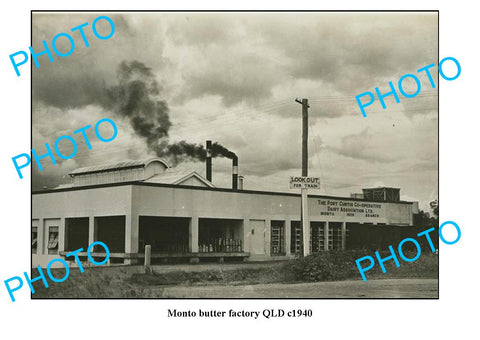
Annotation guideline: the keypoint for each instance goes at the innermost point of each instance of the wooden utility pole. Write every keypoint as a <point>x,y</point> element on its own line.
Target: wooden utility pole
<point>305,137</point>
<point>304,204</point>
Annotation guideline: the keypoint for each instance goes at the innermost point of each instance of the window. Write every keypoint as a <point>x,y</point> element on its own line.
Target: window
<point>295,237</point>
<point>317,237</point>
<point>337,237</point>
<point>52,240</point>
<point>34,239</point>
<point>329,239</point>
<point>277,238</point>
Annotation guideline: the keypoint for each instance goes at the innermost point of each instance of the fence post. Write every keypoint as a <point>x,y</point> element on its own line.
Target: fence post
<point>148,252</point>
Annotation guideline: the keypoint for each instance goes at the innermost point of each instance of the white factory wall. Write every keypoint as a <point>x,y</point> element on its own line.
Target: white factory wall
<point>56,206</point>
<point>256,210</point>
<point>186,202</point>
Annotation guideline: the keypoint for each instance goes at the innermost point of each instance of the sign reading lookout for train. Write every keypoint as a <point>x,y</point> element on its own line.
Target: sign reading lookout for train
<point>304,182</point>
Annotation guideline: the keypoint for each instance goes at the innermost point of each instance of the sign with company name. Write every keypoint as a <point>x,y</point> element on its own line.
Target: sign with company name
<point>356,209</point>
<point>304,182</point>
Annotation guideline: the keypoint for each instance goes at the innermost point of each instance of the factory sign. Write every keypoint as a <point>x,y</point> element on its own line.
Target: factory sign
<point>353,210</point>
<point>304,182</point>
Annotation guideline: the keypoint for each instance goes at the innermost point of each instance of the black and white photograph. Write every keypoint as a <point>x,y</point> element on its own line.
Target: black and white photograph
<point>235,154</point>
<point>215,170</point>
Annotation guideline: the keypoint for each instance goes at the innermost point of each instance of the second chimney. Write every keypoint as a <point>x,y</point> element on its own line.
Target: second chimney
<point>208,160</point>
<point>235,172</point>
<point>240,182</point>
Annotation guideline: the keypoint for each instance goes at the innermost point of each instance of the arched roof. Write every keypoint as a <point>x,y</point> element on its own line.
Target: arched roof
<point>118,166</point>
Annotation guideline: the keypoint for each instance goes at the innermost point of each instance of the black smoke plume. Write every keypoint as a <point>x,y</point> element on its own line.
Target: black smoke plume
<point>186,151</point>
<point>135,97</point>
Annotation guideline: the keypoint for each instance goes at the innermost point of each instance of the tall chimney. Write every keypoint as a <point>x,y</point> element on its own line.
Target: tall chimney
<point>209,160</point>
<point>235,172</point>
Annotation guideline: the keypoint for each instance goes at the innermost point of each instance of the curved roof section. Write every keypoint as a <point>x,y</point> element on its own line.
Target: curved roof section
<point>119,166</point>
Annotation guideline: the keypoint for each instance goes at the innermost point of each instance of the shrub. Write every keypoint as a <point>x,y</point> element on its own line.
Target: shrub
<point>340,265</point>
<point>325,266</point>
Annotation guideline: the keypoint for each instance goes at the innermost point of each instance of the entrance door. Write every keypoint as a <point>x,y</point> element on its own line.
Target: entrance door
<point>257,237</point>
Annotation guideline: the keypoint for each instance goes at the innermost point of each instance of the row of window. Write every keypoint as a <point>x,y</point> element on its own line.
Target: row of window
<point>317,237</point>
<point>52,244</point>
<point>277,235</point>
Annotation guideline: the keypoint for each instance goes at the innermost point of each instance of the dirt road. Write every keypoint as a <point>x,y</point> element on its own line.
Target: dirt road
<point>388,288</point>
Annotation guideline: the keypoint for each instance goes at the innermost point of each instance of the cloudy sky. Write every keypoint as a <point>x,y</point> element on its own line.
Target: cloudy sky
<point>233,78</point>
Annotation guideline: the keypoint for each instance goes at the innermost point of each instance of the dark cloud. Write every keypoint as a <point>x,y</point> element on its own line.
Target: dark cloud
<point>79,79</point>
<point>243,57</point>
<point>72,91</point>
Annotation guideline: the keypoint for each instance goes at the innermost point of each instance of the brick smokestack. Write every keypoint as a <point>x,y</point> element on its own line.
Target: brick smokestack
<point>235,172</point>
<point>208,160</point>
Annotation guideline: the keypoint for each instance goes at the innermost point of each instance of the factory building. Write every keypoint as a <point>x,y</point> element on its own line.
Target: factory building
<point>184,217</point>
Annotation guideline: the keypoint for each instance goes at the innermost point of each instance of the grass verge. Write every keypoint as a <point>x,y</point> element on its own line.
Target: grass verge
<point>127,282</point>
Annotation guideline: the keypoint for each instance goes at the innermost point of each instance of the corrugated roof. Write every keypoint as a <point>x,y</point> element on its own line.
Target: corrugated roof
<point>117,166</point>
